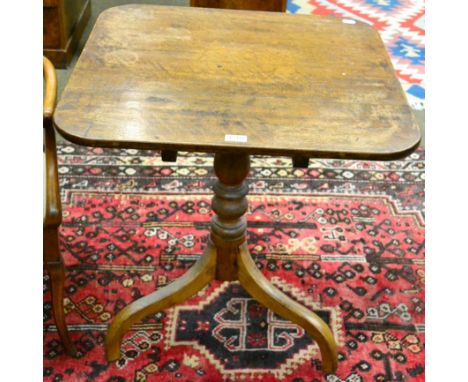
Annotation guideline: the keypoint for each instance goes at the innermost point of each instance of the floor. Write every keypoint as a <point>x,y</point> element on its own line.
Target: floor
<point>97,6</point>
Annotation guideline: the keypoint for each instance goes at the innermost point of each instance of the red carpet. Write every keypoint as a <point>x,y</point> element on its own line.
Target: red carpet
<point>345,238</point>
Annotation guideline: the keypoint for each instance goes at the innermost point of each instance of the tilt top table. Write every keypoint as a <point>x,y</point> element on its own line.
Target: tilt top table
<point>234,83</point>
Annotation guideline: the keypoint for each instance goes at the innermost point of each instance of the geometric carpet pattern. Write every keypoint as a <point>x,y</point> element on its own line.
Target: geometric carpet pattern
<point>344,238</point>
<point>401,26</point>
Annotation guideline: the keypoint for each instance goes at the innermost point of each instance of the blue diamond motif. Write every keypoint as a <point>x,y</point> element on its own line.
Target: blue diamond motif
<point>293,8</point>
<point>409,51</point>
<point>386,5</point>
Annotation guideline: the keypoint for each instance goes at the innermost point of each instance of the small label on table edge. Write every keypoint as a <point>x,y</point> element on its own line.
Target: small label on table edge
<point>235,138</point>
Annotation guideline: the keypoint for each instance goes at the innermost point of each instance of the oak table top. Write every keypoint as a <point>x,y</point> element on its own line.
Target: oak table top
<point>220,80</point>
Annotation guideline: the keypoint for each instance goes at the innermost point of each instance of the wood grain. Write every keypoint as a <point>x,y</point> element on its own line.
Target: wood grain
<point>183,78</point>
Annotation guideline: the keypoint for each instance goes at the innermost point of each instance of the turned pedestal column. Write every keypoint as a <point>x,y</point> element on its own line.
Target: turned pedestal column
<point>228,226</point>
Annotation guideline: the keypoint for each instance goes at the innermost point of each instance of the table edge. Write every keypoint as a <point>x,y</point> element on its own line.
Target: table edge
<point>399,153</point>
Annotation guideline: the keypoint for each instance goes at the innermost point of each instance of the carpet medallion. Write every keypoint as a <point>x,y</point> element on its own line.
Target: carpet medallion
<point>344,238</point>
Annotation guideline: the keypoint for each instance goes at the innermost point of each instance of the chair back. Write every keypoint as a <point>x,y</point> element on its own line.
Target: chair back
<point>50,95</point>
<point>52,206</point>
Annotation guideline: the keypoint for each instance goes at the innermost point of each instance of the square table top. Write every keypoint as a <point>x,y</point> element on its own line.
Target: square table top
<point>217,80</point>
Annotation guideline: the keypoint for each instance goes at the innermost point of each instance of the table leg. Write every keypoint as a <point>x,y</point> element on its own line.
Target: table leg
<point>234,262</point>
<point>226,259</point>
<point>178,291</point>
<point>228,226</point>
<point>263,291</point>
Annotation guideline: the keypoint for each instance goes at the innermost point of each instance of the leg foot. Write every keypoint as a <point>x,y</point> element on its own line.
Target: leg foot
<point>178,291</point>
<point>57,277</point>
<point>263,291</point>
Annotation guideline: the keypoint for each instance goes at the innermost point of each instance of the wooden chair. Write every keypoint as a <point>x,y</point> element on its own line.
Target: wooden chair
<point>251,5</point>
<point>52,209</point>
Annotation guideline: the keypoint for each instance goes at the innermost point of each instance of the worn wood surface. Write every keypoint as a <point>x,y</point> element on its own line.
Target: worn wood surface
<point>184,78</point>
<point>252,5</point>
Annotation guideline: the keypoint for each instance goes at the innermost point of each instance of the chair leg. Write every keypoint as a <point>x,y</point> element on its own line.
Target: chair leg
<point>262,290</point>
<point>57,277</point>
<point>55,268</point>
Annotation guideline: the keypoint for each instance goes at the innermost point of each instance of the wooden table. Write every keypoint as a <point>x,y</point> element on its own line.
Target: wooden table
<point>234,83</point>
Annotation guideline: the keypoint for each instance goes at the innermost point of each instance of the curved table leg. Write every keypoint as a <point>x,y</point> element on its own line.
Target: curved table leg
<point>262,290</point>
<point>178,291</point>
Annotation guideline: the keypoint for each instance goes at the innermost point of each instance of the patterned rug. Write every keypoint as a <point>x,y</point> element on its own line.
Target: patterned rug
<point>345,238</point>
<point>401,25</point>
